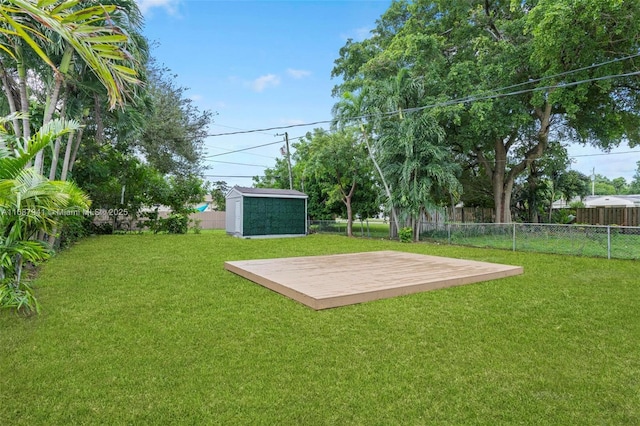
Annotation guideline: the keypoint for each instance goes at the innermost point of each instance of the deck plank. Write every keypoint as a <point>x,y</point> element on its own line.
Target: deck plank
<point>322,282</point>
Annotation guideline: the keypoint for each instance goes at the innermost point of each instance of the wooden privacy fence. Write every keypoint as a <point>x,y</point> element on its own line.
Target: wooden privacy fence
<point>208,220</point>
<point>623,216</point>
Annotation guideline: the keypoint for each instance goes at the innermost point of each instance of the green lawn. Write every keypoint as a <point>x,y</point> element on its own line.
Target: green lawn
<point>149,329</point>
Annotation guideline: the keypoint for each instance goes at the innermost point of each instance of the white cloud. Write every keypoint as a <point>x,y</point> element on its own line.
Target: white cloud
<point>196,98</point>
<point>170,6</point>
<point>265,81</point>
<point>298,74</point>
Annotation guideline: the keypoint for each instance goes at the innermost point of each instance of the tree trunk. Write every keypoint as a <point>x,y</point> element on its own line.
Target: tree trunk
<point>19,263</point>
<point>24,98</point>
<point>347,201</point>
<point>394,216</point>
<point>532,199</point>
<point>497,173</point>
<point>416,227</point>
<point>501,180</point>
<point>53,100</point>
<point>75,151</point>
<point>67,156</point>
<point>51,104</point>
<point>56,148</point>
<point>8,85</point>
<point>97,110</point>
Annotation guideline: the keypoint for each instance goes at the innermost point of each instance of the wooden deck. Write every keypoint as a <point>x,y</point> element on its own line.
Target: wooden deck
<point>322,282</point>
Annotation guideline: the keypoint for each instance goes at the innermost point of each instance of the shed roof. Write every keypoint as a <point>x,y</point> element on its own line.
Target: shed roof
<point>269,192</point>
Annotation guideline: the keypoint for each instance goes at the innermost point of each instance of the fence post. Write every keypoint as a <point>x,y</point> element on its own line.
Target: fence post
<point>608,242</point>
<point>449,232</point>
<point>514,236</point>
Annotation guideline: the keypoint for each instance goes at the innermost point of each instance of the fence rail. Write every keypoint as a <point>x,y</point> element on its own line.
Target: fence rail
<point>621,242</point>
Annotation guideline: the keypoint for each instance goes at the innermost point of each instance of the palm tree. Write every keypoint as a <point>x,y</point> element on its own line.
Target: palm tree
<point>29,204</point>
<point>90,32</point>
<point>418,164</point>
<point>409,144</point>
<point>354,109</point>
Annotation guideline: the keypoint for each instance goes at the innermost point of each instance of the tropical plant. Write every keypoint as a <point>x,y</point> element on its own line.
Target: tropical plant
<point>29,204</point>
<point>55,50</point>
<point>418,164</point>
<point>405,235</point>
<point>354,109</point>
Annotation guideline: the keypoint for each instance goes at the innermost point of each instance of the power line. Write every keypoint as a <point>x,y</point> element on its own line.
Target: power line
<point>536,80</point>
<point>232,176</point>
<point>251,147</point>
<point>238,164</point>
<point>518,92</point>
<point>237,128</point>
<point>470,98</point>
<point>228,151</point>
<point>243,149</point>
<point>605,153</point>
<point>290,126</point>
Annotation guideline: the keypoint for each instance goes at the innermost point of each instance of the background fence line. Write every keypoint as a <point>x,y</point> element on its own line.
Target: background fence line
<point>620,242</point>
<point>207,220</point>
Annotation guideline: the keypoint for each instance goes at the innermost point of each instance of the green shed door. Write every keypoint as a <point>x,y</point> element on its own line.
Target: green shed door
<point>273,216</point>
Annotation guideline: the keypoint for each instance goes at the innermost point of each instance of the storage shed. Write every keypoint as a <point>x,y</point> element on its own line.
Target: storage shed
<point>266,212</point>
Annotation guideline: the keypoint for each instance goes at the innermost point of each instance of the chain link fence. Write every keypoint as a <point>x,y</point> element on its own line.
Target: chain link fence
<point>619,242</point>
<point>361,228</point>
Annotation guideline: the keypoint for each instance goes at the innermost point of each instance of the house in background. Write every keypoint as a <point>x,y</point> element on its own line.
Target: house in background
<point>609,201</point>
<point>266,212</point>
<point>592,201</point>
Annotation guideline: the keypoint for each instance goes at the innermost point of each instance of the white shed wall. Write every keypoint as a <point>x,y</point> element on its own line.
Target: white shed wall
<point>233,211</point>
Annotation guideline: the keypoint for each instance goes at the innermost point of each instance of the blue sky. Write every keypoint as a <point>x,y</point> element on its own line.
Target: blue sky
<point>260,64</point>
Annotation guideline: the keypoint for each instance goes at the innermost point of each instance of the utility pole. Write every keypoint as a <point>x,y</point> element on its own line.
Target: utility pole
<point>286,138</point>
<point>593,182</point>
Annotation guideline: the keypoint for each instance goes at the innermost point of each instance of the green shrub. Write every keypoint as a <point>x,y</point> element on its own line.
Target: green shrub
<point>563,216</point>
<point>102,229</point>
<point>196,225</point>
<point>73,229</point>
<point>406,235</point>
<point>20,297</point>
<point>176,223</point>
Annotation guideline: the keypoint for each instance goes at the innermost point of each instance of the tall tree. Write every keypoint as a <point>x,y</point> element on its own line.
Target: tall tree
<point>419,166</point>
<point>354,109</point>
<point>57,31</point>
<point>174,128</point>
<point>573,184</point>
<point>505,76</point>
<point>339,162</point>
